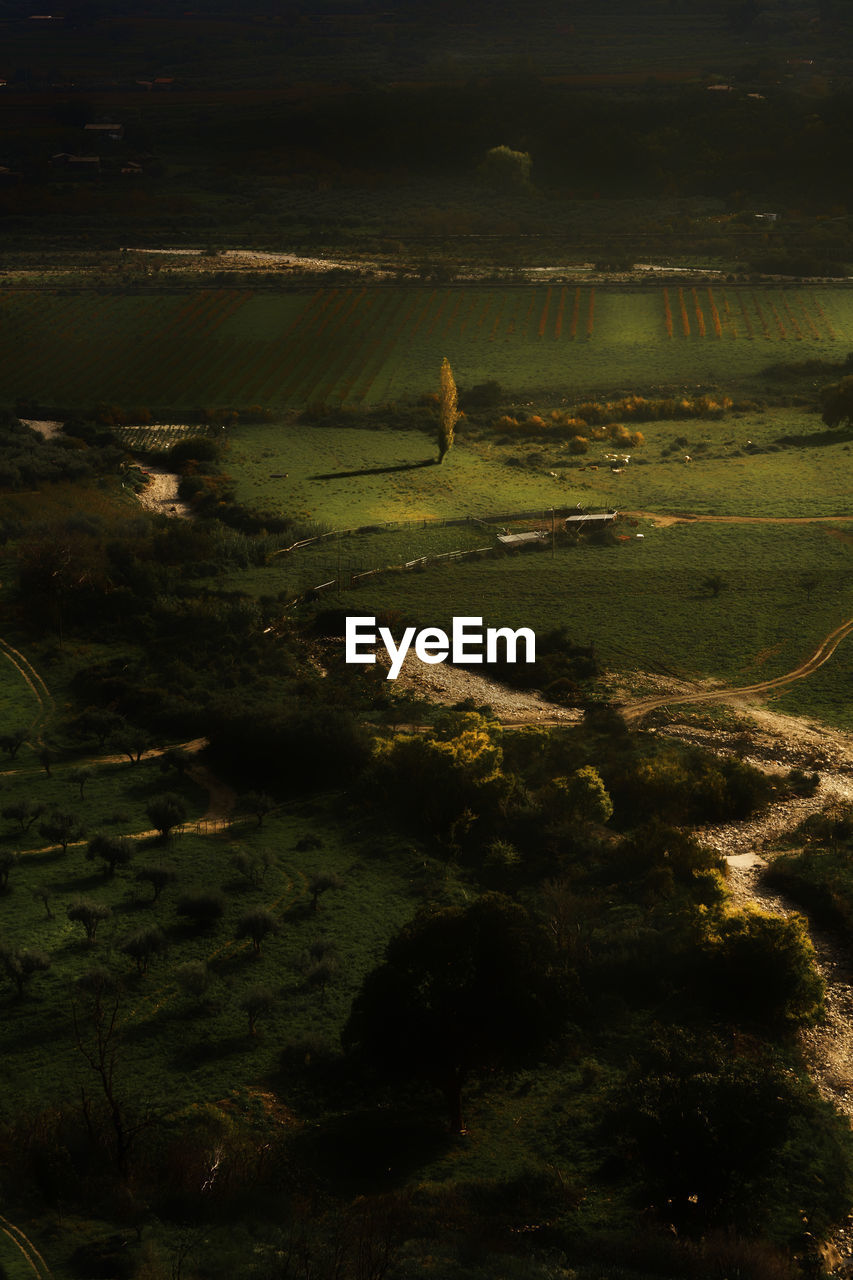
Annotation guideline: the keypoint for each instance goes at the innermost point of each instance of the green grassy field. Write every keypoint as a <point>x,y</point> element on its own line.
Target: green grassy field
<point>737,467</point>
<point>643,606</point>
<point>19,706</point>
<point>371,345</point>
<point>641,603</point>
<point>15,1265</point>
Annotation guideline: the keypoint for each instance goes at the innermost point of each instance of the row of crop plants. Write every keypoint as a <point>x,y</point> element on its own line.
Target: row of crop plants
<point>102,348</point>
<point>340,354</point>
<point>778,319</point>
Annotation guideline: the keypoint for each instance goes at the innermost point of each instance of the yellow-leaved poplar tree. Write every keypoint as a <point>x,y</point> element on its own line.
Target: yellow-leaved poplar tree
<point>448,411</point>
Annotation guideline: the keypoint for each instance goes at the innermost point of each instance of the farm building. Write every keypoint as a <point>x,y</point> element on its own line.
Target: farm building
<point>522,539</point>
<point>597,519</point>
<point>112,131</point>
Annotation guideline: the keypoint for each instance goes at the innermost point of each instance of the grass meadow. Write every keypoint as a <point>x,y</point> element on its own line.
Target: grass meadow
<point>642,605</point>
<point>641,602</point>
<point>738,467</point>
<point>370,345</point>
<point>19,706</point>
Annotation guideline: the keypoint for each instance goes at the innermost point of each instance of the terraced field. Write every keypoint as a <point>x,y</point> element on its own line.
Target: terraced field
<point>369,345</point>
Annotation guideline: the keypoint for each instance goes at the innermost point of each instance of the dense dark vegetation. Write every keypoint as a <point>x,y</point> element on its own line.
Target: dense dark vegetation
<point>445,998</point>
<point>630,152</point>
<point>556,863</point>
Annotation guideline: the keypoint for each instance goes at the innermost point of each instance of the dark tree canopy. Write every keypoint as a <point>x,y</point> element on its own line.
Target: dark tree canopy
<point>837,403</point>
<point>462,990</point>
<point>113,851</point>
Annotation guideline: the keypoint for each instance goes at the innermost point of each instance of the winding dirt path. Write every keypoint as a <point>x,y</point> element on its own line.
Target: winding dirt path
<point>827,1047</point>
<point>26,1247</point>
<point>664,520</point>
<point>635,711</point>
<point>27,671</point>
<point>161,494</point>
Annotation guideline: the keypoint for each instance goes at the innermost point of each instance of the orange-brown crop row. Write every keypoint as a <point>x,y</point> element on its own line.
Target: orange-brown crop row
<point>575,314</point>
<point>814,332</point>
<point>761,316</point>
<point>543,319</point>
<point>558,323</point>
<point>780,324</point>
<point>825,318</point>
<point>667,313</point>
<point>715,315</point>
<point>798,333</point>
<point>499,315</point>
<point>746,320</point>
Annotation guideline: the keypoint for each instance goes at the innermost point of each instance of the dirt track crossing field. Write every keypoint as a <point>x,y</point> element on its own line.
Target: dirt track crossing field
<point>636,710</point>
<point>32,678</point>
<point>25,1246</point>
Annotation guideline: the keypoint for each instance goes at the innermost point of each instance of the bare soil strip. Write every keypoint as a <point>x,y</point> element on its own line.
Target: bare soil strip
<point>663,521</point>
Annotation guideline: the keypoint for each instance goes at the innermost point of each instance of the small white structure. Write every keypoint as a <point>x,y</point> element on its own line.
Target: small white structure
<point>520,539</point>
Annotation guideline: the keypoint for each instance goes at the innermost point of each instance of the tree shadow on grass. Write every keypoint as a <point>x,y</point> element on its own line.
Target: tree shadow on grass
<point>375,1149</point>
<point>81,884</point>
<point>376,471</point>
<point>197,1054</point>
<point>809,439</point>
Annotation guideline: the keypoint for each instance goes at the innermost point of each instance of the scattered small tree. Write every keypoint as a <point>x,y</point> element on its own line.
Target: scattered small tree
<point>113,851</point>
<point>257,1003</point>
<point>43,894</point>
<point>143,946</point>
<point>100,724</point>
<point>8,860</point>
<point>130,742</point>
<point>253,865</point>
<point>320,883</point>
<point>89,913</point>
<point>258,804</point>
<point>23,812</point>
<point>257,924</point>
<point>80,777</point>
<point>319,964</point>
<point>193,977</point>
<point>807,582</point>
<point>61,829</point>
<point>20,966</point>
<point>158,875</point>
<point>837,403</point>
<point>97,983</point>
<point>321,972</point>
<point>166,812</point>
<point>506,170</point>
<point>11,743</point>
<point>448,411</point>
<point>713,584</point>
